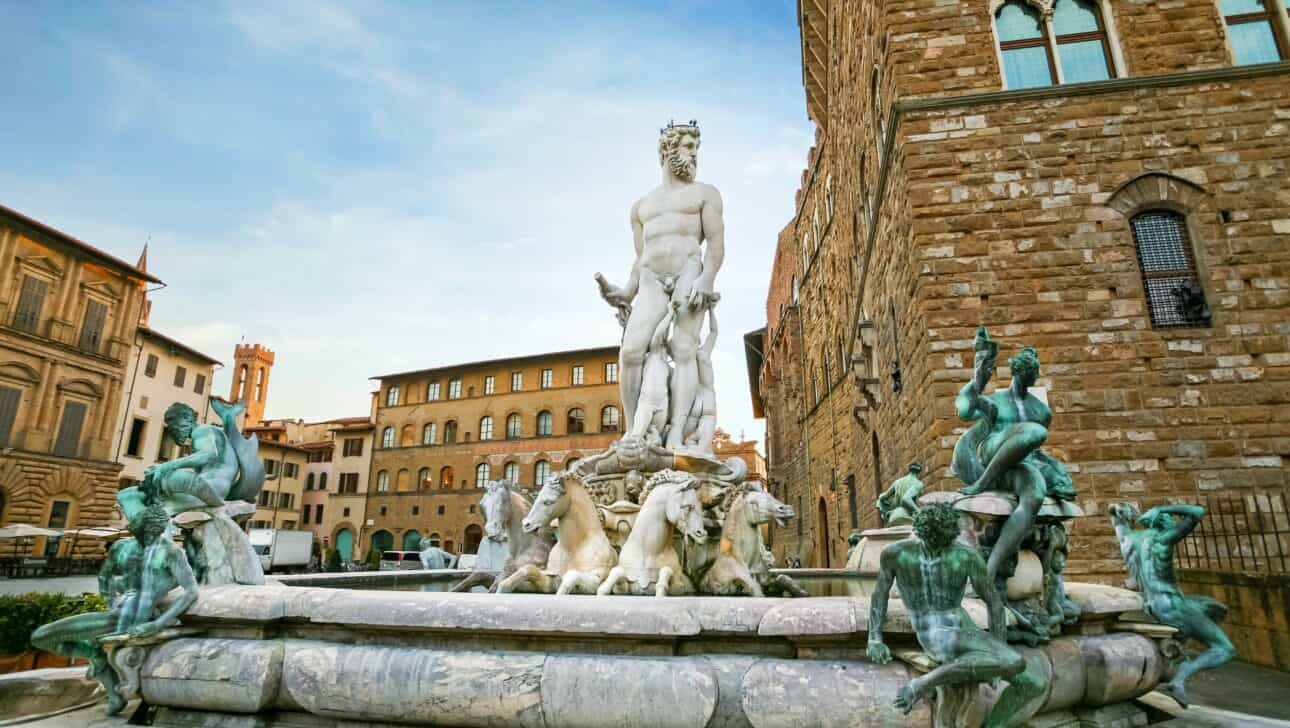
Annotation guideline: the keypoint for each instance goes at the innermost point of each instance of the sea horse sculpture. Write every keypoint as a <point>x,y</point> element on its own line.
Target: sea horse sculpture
<point>649,562</point>
<point>504,507</point>
<point>741,566</point>
<point>588,555</point>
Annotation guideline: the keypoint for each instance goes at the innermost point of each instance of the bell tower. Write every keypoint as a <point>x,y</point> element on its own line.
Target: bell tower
<point>251,366</point>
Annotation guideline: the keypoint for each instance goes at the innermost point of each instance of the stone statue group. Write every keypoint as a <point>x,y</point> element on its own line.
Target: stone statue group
<point>658,514</point>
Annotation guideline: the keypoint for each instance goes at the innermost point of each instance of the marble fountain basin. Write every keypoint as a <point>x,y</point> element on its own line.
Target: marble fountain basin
<point>280,655</point>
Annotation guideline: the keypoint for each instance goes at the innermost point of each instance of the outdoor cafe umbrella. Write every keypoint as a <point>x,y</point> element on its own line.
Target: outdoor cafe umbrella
<point>23,531</point>
<point>104,533</point>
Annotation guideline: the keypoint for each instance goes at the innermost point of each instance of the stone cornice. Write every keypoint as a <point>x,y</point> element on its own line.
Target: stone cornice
<point>1092,88</point>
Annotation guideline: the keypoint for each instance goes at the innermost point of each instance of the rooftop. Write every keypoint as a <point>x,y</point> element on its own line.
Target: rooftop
<point>505,360</point>
<point>41,228</point>
<point>191,352</point>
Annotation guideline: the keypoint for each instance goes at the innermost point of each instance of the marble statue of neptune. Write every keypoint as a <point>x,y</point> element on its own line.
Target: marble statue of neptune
<point>673,271</point>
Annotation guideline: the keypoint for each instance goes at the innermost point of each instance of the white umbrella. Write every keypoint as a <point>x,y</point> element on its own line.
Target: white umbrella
<point>26,531</point>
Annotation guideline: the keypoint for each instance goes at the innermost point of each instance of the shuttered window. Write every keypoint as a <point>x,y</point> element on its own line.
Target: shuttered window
<point>92,327</point>
<point>69,429</point>
<point>30,301</point>
<point>9,399</point>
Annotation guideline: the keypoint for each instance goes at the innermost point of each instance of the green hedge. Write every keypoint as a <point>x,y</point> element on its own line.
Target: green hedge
<point>21,615</point>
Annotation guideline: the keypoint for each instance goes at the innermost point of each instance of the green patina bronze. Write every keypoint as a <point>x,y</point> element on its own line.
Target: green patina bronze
<point>222,466</point>
<point>899,502</point>
<point>932,573</point>
<point>1148,552</point>
<point>134,580</point>
<point>1001,451</point>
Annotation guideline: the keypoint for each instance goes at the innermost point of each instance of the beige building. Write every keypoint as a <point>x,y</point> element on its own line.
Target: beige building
<point>68,318</point>
<point>442,433</point>
<point>161,372</point>
<point>338,459</point>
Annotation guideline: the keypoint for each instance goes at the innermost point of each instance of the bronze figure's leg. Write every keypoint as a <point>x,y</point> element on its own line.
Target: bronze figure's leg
<point>1019,441</point>
<point>1194,622</point>
<point>1030,489</point>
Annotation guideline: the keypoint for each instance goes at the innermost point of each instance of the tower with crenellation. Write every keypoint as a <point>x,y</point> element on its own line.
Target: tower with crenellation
<point>251,366</point>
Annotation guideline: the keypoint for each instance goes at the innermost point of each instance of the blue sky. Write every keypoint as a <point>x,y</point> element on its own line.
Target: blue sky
<point>375,187</point>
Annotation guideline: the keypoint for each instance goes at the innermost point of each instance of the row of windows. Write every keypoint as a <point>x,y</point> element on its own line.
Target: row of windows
<point>575,422</point>
<point>181,374</point>
<point>395,393</point>
<point>1073,44</point>
<point>290,470</point>
<point>31,302</point>
<point>483,474</point>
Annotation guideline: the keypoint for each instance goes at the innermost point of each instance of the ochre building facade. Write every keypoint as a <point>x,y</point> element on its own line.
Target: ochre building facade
<point>441,434</point>
<point>68,317</point>
<point>1106,181</point>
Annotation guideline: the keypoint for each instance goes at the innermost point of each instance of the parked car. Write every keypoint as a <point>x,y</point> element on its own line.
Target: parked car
<point>400,560</point>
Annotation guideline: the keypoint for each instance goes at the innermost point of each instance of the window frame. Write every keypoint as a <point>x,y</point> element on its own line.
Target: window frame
<point>489,382</point>
<point>432,392</point>
<point>454,388</point>
<point>1051,40</point>
<point>1269,14</point>
<point>546,380</point>
<point>578,376</point>
<point>517,432</point>
<point>392,396</point>
<point>486,428</point>
<point>611,372</point>
<point>550,424</point>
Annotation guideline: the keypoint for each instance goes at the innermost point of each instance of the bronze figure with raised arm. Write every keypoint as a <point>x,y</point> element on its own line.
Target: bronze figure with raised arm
<point>1002,451</point>
<point>670,226</point>
<point>1148,552</point>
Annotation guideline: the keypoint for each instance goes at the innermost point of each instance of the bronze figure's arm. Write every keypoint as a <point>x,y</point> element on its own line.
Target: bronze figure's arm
<point>877,650</point>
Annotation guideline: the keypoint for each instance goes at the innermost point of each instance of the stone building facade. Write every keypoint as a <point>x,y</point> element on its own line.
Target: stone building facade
<point>1103,180</point>
<point>337,463</point>
<point>68,317</point>
<point>441,433</point>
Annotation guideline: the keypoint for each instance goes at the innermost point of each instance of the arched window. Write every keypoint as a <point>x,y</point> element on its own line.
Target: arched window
<point>445,477</point>
<point>241,384</point>
<point>486,428</point>
<point>322,481</point>
<point>1175,297</point>
<point>259,384</point>
<point>514,427</point>
<point>541,471</point>
<point>309,481</point>
<point>474,534</point>
<point>383,482</point>
<point>392,395</point>
<point>544,424</point>
<point>1082,44</point>
<point>481,475</point>
<point>428,434</point>
<point>387,437</point>
<point>1078,50</point>
<point>423,478</point>
<point>406,436</point>
<point>609,419</point>
<point>1023,41</point>
<point>450,432</point>
<point>511,472</point>
<point>577,421</point>
<point>1251,33</point>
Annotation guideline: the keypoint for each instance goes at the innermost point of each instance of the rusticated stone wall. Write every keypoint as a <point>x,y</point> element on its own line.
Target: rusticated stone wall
<point>935,201</point>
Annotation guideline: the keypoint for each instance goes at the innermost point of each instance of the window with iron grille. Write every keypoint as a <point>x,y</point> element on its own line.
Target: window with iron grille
<point>1175,297</point>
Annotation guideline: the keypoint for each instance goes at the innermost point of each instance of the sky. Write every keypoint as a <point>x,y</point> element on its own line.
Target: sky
<point>378,187</point>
